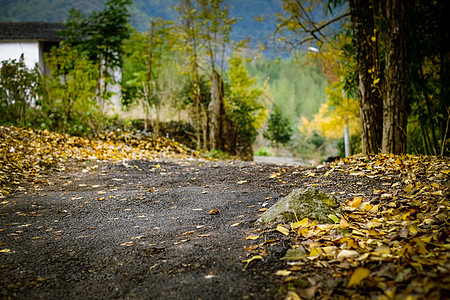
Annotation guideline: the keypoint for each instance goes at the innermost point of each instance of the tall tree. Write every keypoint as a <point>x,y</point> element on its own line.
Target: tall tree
<point>148,60</point>
<point>215,25</point>
<point>207,29</point>
<point>395,108</point>
<point>369,74</point>
<point>243,108</point>
<point>190,45</point>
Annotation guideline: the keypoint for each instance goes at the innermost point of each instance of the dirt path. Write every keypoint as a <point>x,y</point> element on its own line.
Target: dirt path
<point>141,230</point>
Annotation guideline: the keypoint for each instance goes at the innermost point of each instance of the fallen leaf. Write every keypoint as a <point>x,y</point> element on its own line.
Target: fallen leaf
<point>283,272</point>
<point>291,295</point>
<point>242,182</point>
<point>252,237</point>
<point>248,261</point>
<point>347,254</point>
<point>355,202</point>
<point>358,275</point>
<point>334,218</point>
<point>302,223</point>
<point>282,229</point>
<point>343,224</point>
<point>5,250</point>
<point>213,211</point>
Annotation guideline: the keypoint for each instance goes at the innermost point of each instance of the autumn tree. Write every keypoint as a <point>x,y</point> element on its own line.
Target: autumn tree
<point>381,32</point>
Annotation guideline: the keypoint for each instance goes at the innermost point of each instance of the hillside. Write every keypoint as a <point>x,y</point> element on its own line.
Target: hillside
<point>143,10</point>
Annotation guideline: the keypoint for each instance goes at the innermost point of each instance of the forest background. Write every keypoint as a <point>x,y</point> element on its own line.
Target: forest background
<point>278,90</point>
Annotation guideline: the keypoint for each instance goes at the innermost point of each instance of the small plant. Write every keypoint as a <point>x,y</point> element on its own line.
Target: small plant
<point>263,151</point>
<point>218,154</point>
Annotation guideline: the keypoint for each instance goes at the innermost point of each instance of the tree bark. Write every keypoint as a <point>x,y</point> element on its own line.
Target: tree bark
<point>214,109</point>
<point>395,115</point>
<point>369,74</point>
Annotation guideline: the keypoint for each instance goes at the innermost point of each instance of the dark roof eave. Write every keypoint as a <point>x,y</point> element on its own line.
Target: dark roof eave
<point>41,31</point>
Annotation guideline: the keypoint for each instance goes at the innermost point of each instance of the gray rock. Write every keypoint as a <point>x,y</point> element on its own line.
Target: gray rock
<point>303,203</point>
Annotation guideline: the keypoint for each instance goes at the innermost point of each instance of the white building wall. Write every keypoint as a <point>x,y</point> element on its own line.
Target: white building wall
<point>13,50</point>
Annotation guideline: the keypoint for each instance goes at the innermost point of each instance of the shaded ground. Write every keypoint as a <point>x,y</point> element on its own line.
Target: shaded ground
<point>142,230</point>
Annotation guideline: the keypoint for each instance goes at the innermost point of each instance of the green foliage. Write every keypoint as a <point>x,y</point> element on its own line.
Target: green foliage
<point>100,36</point>
<point>149,75</point>
<point>190,89</point>
<point>68,96</point>
<point>18,91</point>
<point>101,33</point>
<point>429,75</point>
<point>218,154</point>
<point>278,129</point>
<point>309,146</point>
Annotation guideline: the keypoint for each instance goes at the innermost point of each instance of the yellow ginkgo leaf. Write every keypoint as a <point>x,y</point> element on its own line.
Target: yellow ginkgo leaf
<point>358,275</point>
<point>355,202</point>
<point>302,223</point>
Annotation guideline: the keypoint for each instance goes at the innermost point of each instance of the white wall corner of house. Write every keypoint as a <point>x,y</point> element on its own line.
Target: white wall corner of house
<point>13,50</point>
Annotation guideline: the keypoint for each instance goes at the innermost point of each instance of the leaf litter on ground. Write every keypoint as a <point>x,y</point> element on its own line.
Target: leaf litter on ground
<point>394,244</point>
<point>26,153</point>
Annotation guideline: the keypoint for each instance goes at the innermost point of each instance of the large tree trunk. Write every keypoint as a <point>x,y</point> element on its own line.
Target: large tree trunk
<point>215,111</point>
<point>395,115</point>
<point>369,74</point>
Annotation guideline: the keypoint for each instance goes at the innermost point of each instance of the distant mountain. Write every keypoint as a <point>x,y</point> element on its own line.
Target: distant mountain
<point>143,10</point>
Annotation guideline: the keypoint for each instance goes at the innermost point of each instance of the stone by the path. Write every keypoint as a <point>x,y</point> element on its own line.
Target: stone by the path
<point>303,203</point>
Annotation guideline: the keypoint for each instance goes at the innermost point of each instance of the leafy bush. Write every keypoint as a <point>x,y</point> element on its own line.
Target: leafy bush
<point>18,91</point>
<point>68,97</point>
